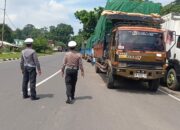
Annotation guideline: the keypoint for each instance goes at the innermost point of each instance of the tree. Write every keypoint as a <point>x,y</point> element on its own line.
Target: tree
<point>139,0</point>
<point>80,40</point>
<point>44,32</point>
<point>8,33</point>
<point>27,31</point>
<point>60,44</point>
<point>172,7</point>
<point>64,32</point>
<point>89,20</point>
<point>17,34</point>
<point>61,33</point>
<point>41,44</point>
<point>177,1</point>
<point>52,33</point>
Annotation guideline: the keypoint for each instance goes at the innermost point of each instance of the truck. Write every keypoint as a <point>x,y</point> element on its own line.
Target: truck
<point>171,26</point>
<point>133,49</point>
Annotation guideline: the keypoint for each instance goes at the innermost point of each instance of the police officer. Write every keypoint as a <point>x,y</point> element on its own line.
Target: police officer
<point>72,63</point>
<point>29,63</point>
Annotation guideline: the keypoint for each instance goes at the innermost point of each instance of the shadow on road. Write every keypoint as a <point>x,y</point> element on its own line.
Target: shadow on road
<point>84,98</point>
<point>46,95</point>
<point>131,86</point>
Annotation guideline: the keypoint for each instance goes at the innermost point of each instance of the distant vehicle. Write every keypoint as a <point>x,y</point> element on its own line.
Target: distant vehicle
<point>60,49</point>
<point>171,27</point>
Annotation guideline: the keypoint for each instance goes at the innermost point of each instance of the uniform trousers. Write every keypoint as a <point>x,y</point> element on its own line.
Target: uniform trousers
<point>70,80</point>
<point>29,74</point>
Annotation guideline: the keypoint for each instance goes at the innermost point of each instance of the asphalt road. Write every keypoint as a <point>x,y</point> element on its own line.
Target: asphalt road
<point>128,107</point>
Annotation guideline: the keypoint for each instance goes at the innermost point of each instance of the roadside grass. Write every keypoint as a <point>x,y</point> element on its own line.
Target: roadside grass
<point>13,55</point>
<point>9,55</point>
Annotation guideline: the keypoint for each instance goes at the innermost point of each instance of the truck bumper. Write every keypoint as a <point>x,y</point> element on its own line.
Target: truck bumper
<point>138,74</point>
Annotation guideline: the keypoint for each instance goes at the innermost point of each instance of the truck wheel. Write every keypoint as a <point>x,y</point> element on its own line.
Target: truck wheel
<point>171,80</point>
<point>97,69</point>
<point>154,85</point>
<point>110,80</point>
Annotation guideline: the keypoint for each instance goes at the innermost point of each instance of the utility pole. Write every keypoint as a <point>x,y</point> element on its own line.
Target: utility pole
<point>2,39</point>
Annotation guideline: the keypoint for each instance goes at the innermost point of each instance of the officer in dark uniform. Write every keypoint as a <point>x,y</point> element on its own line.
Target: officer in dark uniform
<point>71,64</point>
<point>29,63</point>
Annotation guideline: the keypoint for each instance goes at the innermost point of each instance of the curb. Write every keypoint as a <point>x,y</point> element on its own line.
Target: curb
<point>9,59</point>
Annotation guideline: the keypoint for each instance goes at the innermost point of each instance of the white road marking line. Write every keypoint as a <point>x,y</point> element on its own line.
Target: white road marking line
<point>48,78</point>
<point>170,95</point>
<point>38,84</point>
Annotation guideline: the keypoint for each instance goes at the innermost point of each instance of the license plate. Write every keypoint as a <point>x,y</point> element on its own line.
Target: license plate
<point>122,56</point>
<point>140,75</point>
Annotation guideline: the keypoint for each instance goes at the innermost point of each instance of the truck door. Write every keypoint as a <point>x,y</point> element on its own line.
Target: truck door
<point>112,46</point>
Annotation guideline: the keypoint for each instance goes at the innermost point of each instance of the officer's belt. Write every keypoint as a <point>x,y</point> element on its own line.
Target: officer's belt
<point>29,65</point>
<point>71,67</point>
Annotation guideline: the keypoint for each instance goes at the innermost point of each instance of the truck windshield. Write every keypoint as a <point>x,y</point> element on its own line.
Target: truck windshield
<point>139,40</point>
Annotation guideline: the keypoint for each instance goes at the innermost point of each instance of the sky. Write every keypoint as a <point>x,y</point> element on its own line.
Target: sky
<point>45,13</point>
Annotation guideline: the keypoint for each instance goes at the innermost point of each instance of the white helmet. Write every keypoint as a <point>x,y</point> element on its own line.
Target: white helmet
<point>72,44</point>
<point>29,41</point>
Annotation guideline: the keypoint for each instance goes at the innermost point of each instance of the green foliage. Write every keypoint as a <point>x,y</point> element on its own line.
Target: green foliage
<point>172,7</point>
<point>80,40</point>
<point>41,44</point>
<point>10,55</point>
<point>30,31</point>
<point>138,0</point>
<point>89,20</point>
<point>8,33</point>
<point>177,1</point>
<point>61,33</point>
<point>60,44</point>
<point>18,34</point>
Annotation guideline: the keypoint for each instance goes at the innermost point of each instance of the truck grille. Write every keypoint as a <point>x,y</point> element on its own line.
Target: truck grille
<point>144,65</point>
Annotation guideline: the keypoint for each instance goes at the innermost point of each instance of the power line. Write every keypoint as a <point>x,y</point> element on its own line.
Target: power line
<point>10,21</point>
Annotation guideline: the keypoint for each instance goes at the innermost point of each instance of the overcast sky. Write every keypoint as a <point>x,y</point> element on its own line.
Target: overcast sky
<point>44,13</point>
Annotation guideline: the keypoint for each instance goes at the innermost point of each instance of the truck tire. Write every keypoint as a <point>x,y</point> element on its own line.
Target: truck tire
<point>110,80</point>
<point>171,80</point>
<point>154,84</point>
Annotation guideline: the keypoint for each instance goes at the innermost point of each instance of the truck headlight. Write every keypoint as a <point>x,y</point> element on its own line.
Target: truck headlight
<point>159,55</point>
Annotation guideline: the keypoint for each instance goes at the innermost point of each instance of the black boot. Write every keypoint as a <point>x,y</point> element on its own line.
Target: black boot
<point>35,98</point>
<point>72,98</point>
<point>68,101</point>
<point>25,96</point>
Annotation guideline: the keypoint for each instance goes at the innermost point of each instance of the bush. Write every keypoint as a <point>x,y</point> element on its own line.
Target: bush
<point>41,44</point>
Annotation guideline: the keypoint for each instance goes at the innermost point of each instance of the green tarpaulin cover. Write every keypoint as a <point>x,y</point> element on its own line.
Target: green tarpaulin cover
<point>129,6</point>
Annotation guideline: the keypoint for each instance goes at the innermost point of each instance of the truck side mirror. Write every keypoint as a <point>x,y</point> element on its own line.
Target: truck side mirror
<point>108,38</point>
